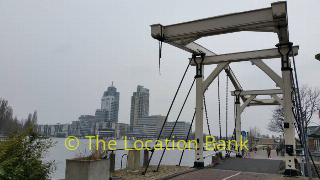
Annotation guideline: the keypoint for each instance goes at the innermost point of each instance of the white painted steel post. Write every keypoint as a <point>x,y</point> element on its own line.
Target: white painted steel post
<point>238,118</point>
<point>289,127</point>
<point>279,13</point>
<point>199,162</point>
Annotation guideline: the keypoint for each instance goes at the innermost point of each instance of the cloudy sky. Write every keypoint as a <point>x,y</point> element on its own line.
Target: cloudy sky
<point>58,56</point>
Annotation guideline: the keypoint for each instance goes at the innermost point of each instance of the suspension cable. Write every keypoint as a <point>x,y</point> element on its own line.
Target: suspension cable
<point>187,138</point>
<point>301,120</point>
<point>160,56</point>
<point>175,123</point>
<point>206,113</point>
<point>309,153</point>
<point>219,104</point>
<point>173,100</point>
<point>227,95</point>
<point>160,48</point>
<point>235,113</point>
<point>296,114</point>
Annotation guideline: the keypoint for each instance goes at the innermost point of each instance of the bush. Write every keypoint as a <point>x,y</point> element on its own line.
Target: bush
<point>21,157</point>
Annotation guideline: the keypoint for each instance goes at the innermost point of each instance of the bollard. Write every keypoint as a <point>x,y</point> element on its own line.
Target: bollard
<point>82,169</point>
<point>227,154</point>
<point>214,160</point>
<point>112,161</point>
<point>145,157</point>
<point>133,160</point>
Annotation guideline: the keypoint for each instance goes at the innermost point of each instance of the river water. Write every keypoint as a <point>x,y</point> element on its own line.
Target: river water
<point>59,153</point>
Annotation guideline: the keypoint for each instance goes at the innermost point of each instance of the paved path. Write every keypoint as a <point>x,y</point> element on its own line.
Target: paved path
<point>252,165</point>
<point>255,166</point>
<point>217,174</point>
<point>262,154</point>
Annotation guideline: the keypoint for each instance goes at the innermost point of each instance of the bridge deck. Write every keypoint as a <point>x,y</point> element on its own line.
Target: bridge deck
<point>218,174</point>
<point>253,165</point>
<point>256,167</point>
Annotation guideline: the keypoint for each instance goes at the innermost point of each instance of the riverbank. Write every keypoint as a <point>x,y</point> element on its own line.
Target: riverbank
<point>59,154</point>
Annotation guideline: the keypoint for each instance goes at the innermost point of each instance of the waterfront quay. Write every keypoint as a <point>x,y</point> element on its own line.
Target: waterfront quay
<point>165,172</point>
<point>254,167</point>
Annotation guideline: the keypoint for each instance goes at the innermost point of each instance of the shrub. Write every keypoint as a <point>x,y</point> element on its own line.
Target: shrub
<point>21,157</point>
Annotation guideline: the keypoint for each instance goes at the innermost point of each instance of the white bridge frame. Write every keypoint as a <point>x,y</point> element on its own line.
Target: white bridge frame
<point>251,100</point>
<point>272,19</point>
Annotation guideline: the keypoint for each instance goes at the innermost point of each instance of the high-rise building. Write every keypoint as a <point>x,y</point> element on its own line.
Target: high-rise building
<point>122,130</point>
<point>110,104</point>
<point>148,126</point>
<point>87,125</point>
<point>139,105</point>
<point>180,131</point>
<point>105,128</point>
<point>75,128</point>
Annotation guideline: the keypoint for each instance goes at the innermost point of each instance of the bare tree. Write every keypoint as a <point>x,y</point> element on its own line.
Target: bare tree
<point>310,103</point>
<point>276,123</point>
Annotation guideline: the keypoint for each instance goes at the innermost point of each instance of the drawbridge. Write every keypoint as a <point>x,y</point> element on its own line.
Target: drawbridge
<point>272,19</point>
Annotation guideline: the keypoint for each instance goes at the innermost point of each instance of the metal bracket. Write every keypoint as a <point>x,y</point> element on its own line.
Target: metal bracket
<point>237,94</point>
<point>284,49</point>
<point>199,66</point>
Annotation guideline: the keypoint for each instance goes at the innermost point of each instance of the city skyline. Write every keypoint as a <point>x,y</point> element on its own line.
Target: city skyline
<point>105,121</point>
<point>110,102</point>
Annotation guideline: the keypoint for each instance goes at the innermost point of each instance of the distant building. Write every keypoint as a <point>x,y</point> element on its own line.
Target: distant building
<point>87,125</point>
<point>61,130</point>
<point>75,128</point>
<point>103,123</point>
<point>180,130</point>
<point>105,129</point>
<point>107,116</point>
<point>110,104</point>
<point>122,130</point>
<point>266,142</point>
<point>139,105</point>
<point>314,139</point>
<point>51,130</point>
<point>56,130</point>
<point>41,129</point>
<point>102,116</point>
<point>148,126</point>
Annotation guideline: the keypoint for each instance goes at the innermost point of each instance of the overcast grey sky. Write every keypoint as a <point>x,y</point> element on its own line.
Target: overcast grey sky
<point>58,56</point>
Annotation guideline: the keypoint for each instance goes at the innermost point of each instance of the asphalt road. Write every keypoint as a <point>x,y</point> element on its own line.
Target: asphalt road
<point>252,165</point>
<point>218,174</point>
<point>258,166</point>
